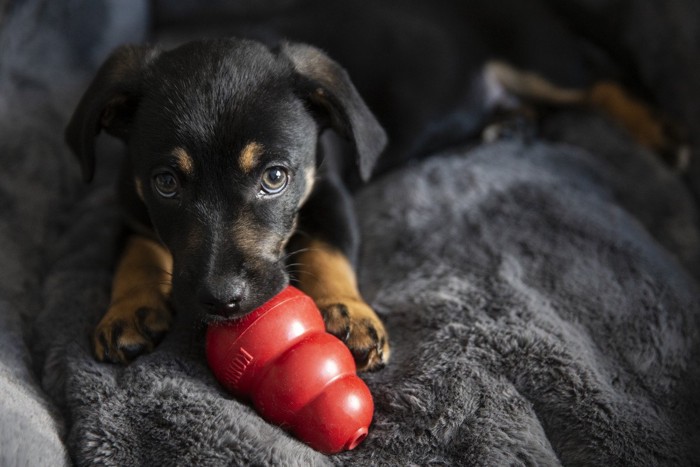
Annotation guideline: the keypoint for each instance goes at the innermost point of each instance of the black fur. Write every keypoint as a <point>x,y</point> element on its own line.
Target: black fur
<point>212,98</point>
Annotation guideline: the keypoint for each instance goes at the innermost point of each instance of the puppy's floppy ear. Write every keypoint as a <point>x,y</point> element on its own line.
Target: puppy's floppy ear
<point>109,103</point>
<point>327,85</point>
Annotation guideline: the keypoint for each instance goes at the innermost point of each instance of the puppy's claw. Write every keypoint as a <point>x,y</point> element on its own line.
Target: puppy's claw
<point>356,324</point>
<point>122,335</point>
<point>337,319</point>
<point>367,346</point>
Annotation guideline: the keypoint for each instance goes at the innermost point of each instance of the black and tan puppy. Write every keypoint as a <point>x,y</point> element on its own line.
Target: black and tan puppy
<point>225,188</point>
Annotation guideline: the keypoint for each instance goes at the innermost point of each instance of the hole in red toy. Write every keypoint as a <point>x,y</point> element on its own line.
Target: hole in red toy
<point>356,439</point>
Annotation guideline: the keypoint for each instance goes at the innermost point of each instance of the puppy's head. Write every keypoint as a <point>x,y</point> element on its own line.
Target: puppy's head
<point>222,138</point>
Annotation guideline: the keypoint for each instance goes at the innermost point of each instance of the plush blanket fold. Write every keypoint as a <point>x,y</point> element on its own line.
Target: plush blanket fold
<point>541,296</point>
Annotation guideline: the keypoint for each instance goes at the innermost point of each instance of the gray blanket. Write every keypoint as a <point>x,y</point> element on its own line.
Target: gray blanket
<point>541,296</point>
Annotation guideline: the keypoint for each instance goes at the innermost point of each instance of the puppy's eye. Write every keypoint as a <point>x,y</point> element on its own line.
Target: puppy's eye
<point>274,180</point>
<point>166,184</point>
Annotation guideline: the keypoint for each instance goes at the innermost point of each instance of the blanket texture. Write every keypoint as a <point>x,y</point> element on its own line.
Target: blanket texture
<point>541,296</point>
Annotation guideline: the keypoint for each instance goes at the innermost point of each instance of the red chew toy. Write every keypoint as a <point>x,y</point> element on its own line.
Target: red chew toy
<point>297,375</point>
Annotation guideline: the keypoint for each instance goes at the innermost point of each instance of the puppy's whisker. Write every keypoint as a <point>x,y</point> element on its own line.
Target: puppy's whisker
<point>156,268</point>
<point>295,252</point>
<point>294,281</point>
<point>305,273</point>
<point>149,283</point>
<point>302,233</point>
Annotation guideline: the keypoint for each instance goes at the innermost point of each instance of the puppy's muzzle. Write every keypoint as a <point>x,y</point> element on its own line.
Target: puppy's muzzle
<point>224,297</point>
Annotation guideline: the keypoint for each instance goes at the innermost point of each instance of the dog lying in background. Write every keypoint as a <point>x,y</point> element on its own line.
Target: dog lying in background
<point>228,193</point>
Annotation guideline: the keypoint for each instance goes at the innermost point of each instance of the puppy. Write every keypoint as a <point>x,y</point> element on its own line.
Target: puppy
<point>226,188</point>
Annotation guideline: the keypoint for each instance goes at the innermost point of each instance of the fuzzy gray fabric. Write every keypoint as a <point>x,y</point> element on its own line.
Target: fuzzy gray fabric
<point>46,49</point>
<point>541,297</point>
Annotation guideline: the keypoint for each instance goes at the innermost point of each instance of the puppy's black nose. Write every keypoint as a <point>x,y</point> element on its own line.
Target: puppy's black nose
<point>223,301</point>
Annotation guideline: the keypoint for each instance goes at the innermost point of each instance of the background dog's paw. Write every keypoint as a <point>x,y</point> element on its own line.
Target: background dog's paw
<point>356,324</point>
<point>124,334</point>
<point>518,124</point>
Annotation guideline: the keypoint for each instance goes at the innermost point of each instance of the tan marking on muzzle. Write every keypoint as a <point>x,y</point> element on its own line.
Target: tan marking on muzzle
<point>256,245</point>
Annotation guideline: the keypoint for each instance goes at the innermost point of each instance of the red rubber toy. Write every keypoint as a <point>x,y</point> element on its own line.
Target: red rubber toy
<point>296,374</point>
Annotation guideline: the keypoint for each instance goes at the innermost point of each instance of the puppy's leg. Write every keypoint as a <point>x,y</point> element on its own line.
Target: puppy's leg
<point>324,265</point>
<point>139,314</point>
<point>329,278</point>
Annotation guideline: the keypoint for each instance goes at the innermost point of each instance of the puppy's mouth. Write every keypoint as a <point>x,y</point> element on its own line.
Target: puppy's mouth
<point>226,297</point>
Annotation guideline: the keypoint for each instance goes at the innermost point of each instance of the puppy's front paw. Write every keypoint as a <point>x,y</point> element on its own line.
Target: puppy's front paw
<point>127,331</point>
<point>356,324</point>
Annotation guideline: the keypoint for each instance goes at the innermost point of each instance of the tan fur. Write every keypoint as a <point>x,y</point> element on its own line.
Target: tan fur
<point>310,178</point>
<point>145,265</point>
<point>139,188</point>
<point>329,278</point>
<point>635,116</point>
<point>184,161</point>
<point>251,240</point>
<point>532,86</point>
<point>327,272</point>
<point>250,155</point>
<point>142,284</point>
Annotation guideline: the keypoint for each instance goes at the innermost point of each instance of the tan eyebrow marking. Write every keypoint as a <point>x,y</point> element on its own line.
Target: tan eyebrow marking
<point>310,177</point>
<point>183,160</point>
<point>250,155</point>
<point>139,188</point>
